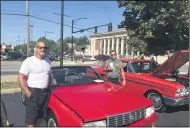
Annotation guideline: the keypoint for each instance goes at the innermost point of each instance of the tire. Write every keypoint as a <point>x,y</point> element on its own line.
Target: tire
<point>51,120</point>
<point>157,101</point>
<point>23,97</point>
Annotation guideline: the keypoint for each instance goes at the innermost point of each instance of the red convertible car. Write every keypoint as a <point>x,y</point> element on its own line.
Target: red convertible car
<point>80,97</point>
<point>161,83</point>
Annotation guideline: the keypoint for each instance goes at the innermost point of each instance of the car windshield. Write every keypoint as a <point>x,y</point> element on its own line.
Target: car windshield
<point>75,75</point>
<point>144,67</point>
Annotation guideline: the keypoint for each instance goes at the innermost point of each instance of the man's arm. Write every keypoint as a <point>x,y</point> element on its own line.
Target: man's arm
<point>23,84</point>
<point>23,73</point>
<point>122,72</point>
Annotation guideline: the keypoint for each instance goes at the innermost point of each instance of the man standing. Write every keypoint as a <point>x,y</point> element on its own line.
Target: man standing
<point>114,67</point>
<point>36,69</point>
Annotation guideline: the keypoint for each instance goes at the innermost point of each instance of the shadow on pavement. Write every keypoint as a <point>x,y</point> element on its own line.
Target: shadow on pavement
<point>171,109</point>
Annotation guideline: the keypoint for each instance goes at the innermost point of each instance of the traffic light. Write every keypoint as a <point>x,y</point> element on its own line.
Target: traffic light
<point>96,29</point>
<point>109,27</point>
<point>83,49</point>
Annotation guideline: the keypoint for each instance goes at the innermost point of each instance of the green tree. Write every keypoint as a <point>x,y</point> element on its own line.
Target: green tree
<point>81,42</point>
<point>162,25</point>
<point>65,45</point>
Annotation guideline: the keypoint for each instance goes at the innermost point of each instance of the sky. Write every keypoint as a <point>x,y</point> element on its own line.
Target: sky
<point>13,27</point>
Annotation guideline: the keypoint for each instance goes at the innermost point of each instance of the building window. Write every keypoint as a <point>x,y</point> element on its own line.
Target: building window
<point>106,45</point>
<point>114,44</point>
<point>124,49</point>
<point>102,46</point>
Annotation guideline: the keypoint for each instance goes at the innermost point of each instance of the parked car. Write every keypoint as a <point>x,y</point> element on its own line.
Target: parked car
<point>89,58</point>
<point>161,84</point>
<point>15,56</point>
<point>80,97</point>
<point>4,56</point>
<point>102,57</point>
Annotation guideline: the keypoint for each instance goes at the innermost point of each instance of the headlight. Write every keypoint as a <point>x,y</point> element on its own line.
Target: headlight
<point>149,111</point>
<point>182,92</point>
<point>101,123</point>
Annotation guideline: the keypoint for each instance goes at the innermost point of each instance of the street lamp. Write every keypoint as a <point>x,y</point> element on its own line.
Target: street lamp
<point>47,32</point>
<point>31,31</point>
<point>73,22</point>
<point>24,40</point>
<point>18,40</point>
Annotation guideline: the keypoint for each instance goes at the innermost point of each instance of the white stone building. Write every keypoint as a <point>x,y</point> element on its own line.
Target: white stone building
<point>103,43</point>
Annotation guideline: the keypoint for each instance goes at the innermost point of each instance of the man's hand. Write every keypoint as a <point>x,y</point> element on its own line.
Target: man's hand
<point>109,68</point>
<point>28,94</point>
<point>124,83</point>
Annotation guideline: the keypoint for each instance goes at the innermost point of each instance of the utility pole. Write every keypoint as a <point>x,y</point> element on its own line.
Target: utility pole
<point>31,32</point>
<point>72,56</point>
<point>61,29</point>
<point>28,27</point>
<point>24,40</point>
<point>18,40</point>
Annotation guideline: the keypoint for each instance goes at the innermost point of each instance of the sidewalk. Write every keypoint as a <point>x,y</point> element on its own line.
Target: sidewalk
<point>9,78</point>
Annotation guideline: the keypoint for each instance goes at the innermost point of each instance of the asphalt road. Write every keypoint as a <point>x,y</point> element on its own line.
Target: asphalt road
<point>176,116</point>
<point>12,68</point>
<point>6,73</point>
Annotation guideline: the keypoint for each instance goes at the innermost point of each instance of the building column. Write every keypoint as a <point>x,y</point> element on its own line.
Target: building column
<point>117,45</point>
<point>108,51</point>
<point>101,49</point>
<point>113,43</point>
<point>91,47</point>
<point>122,45</point>
<point>105,46</point>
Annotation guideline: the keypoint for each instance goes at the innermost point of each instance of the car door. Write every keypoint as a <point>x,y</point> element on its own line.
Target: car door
<point>133,79</point>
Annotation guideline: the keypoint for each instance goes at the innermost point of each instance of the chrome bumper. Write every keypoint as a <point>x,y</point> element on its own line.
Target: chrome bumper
<point>176,101</point>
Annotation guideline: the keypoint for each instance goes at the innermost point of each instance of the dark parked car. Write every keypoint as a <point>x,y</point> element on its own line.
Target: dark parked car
<point>102,57</point>
<point>15,55</point>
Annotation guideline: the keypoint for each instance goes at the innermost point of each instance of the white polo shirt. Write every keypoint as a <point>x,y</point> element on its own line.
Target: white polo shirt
<point>37,71</point>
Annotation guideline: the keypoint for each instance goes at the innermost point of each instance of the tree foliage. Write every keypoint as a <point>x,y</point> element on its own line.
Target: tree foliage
<point>162,25</point>
<point>54,47</point>
<point>81,42</point>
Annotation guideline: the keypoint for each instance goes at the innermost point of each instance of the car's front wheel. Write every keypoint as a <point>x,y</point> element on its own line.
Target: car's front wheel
<point>51,120</point>
<point>157,101</point>
<point>23,97</point>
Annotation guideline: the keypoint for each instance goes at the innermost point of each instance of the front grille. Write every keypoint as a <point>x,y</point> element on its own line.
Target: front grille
<point>126,118</point>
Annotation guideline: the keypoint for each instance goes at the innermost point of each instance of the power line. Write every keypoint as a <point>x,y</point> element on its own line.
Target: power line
<point>42,19</point>
<point>101,7</point>
<point>40,16</point>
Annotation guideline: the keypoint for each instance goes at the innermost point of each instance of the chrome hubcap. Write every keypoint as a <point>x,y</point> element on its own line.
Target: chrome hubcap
<point>157,101</point>
<point>51,123</point>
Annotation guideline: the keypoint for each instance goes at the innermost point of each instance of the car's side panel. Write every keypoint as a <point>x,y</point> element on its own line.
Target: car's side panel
<point>141,83</point>
<point>64,115</point>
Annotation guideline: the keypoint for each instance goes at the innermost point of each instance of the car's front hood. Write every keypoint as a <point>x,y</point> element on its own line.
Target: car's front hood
<point>177,60</point>
<point>97,101</point>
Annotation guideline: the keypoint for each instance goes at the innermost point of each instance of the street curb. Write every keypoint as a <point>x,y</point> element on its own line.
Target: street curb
<point>7,91</point>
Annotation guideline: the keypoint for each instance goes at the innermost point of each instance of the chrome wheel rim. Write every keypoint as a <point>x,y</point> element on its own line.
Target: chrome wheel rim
<point>156,99</point>
<point>51,123</point>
